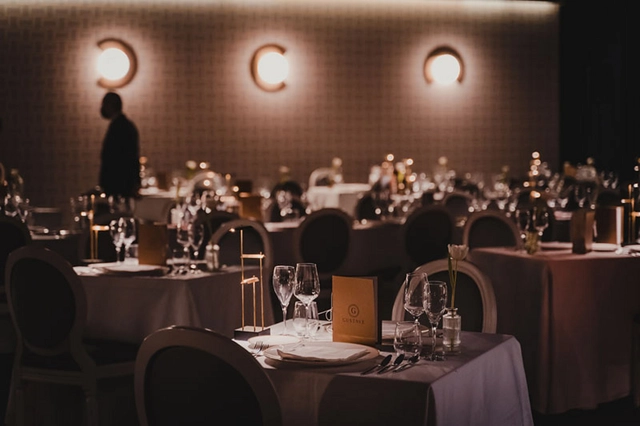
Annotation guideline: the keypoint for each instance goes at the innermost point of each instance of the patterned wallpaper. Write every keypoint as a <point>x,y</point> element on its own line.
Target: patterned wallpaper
<point>356,88</point>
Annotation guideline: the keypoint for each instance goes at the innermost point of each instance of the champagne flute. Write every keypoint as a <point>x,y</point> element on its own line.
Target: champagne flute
<point>435,303</point>
<point>117,235</point>
<point>307,284</point>
<point>414,295</point>
<point>128,225</point>
<point>283,282</point>
<point>195,236</point>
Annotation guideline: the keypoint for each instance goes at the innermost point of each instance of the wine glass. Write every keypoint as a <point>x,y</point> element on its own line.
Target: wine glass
<point>195,235</point>
<point>523,218</point>
<point>283,282</point>
<point>435,303</point>
<point>182,238</point>
<point>117,235</point>
<point>540,220</point>
<point>128,225</point>
<point>307,283</point>
<point>414,294</point>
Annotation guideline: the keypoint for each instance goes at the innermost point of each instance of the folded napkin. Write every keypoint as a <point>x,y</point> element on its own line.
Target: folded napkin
<point>131,269</point>
<point>321,353</point>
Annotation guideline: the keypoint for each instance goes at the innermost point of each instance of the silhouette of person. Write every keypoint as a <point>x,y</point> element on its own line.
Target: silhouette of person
<point>120,156</point>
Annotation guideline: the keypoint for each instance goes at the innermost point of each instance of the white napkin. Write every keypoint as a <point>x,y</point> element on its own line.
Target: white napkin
<point>321,353</point>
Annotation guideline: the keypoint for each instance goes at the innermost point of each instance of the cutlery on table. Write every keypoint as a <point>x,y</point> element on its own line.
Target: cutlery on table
<point>382,364</point>
<point>392,366</point>
<point>409,363</point>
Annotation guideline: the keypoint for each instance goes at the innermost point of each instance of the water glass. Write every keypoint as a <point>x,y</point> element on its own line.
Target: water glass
<point>300,319</point>
<point>407,339</point>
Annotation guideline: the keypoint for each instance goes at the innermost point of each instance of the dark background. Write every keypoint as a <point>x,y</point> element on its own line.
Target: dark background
<point>599,93</point>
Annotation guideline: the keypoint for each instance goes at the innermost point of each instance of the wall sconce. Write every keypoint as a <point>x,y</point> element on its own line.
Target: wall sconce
<point>117,64</point>
<point>269,67</point>
<point>443,66</point>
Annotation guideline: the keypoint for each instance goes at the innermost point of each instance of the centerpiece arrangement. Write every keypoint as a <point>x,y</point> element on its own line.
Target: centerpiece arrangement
<point>452,321</point>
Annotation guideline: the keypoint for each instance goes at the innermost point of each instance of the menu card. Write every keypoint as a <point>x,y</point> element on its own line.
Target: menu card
<point>609,224</point>
<point>582,230</point>
<point>152,244</point>
<point>355,313</point>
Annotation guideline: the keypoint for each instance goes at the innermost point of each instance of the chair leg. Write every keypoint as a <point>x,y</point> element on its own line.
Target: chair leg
<point>635,362</point>
<point>91,405</point>
<point>14,415</point>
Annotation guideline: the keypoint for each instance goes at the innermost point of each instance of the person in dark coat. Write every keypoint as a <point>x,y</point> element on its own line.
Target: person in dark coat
<point>120,157</point>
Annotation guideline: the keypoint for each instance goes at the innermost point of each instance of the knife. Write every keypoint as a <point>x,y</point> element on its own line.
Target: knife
<point>393,366</point>
<point>382,364</point>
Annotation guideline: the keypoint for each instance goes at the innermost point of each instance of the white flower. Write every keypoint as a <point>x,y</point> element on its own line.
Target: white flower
<point>458,252</point>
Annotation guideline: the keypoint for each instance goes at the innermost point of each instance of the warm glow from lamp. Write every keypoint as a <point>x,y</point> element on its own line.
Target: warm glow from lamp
<point>113,64</point>
<point>116,64</point>
<point>270,68</point>
<point>273,68</point>
<point>443,66</point>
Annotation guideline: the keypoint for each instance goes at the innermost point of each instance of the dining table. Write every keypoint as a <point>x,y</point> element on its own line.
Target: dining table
<point>376,245</point>
<point>343,196</point>
<point>483,384</point>
<point>572,314</point>
<point>128,304</point>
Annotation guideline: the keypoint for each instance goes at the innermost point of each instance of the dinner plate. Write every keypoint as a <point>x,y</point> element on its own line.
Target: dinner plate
<point>556,245</point>
<point>129,269</point>
<point>270,341</point>
<point>272,353</point>
<point>604,247</point>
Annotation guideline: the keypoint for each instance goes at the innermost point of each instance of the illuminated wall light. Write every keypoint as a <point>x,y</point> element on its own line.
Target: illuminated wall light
<point>117,64</point>
<point>443,66</point>
<point>270,68</point>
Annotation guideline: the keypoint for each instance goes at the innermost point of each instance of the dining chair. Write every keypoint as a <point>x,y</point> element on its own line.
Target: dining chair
<point>475,298</point>
<point>15,234</point>
<point>48,310</point>
<point>213,220</point>
<point>255,241</point>
<point>324,238</point>
<point>460,205</point>
<point>635,361</point>
<point>425,234</point>
<point>195,376</point>
<point>490,228</point>
<point>366,208</point>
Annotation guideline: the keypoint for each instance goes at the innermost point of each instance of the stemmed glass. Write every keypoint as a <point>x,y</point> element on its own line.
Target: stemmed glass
<point>128,226</point>
<point>283,282</point>
<point>540,220</point>
<point>195,235</point>
<point>523,218</point>
<point>414,295</point>
<point>307,284</point>
<point>182,238</point>
<point>117,235</point>
<point>435,303</point>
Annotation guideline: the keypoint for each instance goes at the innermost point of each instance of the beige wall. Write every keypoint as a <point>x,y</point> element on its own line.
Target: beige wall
<point>356,88</point>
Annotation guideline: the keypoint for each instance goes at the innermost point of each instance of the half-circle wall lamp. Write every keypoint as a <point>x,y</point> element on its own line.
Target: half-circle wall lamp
<point>270,68</point>
<point>443,66</point>
<point>117,64</point>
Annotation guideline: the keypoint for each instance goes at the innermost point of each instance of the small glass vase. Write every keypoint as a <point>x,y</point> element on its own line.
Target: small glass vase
<point>451,326</point>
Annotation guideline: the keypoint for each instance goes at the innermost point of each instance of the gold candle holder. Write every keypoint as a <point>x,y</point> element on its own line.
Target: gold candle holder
<point>247,331</point>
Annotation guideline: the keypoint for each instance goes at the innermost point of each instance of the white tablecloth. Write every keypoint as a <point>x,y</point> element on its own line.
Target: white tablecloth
<point>573,315</point>
<point>129,308</point>
<point>482,385</point>
<point>342,196</point>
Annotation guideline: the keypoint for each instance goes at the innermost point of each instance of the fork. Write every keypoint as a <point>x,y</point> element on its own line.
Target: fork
<point>258,348</point>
